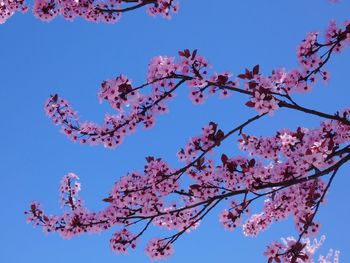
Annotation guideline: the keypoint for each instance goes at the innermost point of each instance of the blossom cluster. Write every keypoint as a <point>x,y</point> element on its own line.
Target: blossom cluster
<point>163,8</point>
<point>166,74</point>
<point>286,170</point>
<point>121,240</point>
<point>311,60</point>
<point>133,107</point>
<point>210,137</point>
<point>232,218</point>
<point>9,7</point>
<point>159,249</point>
<point>69,189</point>
<point>92,10</point>
<point>290,250</point>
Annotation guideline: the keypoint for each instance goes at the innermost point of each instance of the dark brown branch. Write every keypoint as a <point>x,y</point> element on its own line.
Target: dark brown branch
<point>278,186</point>
<point>127,9</point>
<point>314,112</point>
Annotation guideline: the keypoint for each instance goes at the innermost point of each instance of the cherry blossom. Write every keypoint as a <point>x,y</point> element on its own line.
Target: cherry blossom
<point>159,249</point>
<point>141,104</point>
<point>9,7</point>
<point>292,184</point>
<point>291,250</point>
<point>290,172</point>
<point>92,10</point>
<point>121,240</point>
<point>69,191</point>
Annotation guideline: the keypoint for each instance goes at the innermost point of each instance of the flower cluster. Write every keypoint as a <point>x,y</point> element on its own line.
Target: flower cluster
<point>121,240</point>
<point>133,107</point>
<point>286,171</point>
<point>210,136</point>
<point>69,190</point>
<point>159,249</point>
<point>232,218</point>
<point>265,90</point>
<point>9,7</point>
<point>118,92</point>
<point>92,10</point>
<point>163,8</point>
<point>291,250</point>
<point>166,74</point>
<point>308,53</point>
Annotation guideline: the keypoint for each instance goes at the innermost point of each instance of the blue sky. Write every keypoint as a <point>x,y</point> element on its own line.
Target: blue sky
<point>72,58</point>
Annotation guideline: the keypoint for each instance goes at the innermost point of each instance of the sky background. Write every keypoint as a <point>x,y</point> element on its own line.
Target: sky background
<point>73,58</point>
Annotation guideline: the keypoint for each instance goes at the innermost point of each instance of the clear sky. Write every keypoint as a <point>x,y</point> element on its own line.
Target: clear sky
<point>72,58</point>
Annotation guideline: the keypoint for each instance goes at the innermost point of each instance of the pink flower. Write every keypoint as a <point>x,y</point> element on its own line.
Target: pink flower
<point>158,249</point>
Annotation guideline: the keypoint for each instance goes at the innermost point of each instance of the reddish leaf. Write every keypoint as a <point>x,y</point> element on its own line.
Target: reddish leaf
<point>252,85</point>
<point>194,54</point>
<point>242,76</point>
<point>187,53</point>
<point>181,54</point>
<point>150,158</point>
<point>250,104</point>
<point>219,136</point>
<point>124,88</point>
<point>330,144</point>
<point>54,98</point>
<point>224,158</point>
<point>256,70</point>
<point>200,163</point>
<point>108,199</point>
<point>248,74</point>
<point>231,167</point>
<point>222,79</point>
<point>195,187</point>
<point>160,174</point>
<point>230,216</point>
<point>214,125</point>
